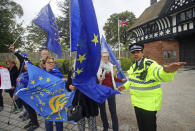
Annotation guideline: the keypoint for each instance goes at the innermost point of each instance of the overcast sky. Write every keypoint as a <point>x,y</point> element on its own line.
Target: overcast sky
<point>103,8</point>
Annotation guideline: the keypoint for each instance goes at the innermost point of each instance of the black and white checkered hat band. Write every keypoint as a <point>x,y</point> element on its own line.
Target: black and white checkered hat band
<point>136,47</point>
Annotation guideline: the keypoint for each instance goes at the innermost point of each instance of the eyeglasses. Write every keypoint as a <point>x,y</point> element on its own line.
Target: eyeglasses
<point>104,56</point>
<point>50,62</point>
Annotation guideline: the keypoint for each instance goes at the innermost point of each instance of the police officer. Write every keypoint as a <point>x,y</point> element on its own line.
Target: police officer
<point>145,76</point>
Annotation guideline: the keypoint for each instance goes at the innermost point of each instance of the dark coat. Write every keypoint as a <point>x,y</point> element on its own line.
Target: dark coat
<point>89,106</point>
<point>21,59</point>
<point>13,75</point>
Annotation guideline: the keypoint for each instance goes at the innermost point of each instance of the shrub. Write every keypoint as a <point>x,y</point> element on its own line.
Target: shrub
<point>60,62</point>
<point>36,63</point>
<point>3,64</point>
<point>126,63</point>
<point>66,66</point>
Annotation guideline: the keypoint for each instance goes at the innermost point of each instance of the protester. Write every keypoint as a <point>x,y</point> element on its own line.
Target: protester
<point>21,57</point>
<point>13,70</point>
<point>89,107</point>
<point>33,123</point>
<point>106,77</point>
<point>45,53</point>
<point>145,76</point>
<point>49,65</point>
<point>1,91</point>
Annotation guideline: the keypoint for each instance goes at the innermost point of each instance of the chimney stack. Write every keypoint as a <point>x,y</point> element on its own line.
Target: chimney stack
<point>152,2</point>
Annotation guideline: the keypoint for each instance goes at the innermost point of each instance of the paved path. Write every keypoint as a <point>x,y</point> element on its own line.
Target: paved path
<point>16,124</point>
<point>178,105</point>
<point>177,113</point>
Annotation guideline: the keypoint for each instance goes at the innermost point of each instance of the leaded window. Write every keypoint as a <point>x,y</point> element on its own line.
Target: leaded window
<point>193,12</point>
<point>182,16</point>
<point>188,14</point>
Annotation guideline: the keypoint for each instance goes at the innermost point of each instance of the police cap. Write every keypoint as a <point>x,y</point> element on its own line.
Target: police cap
<point>136,47</point>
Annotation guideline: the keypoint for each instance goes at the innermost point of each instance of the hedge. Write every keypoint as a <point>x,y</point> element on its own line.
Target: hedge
<point>66,64</point>
<point>3,64</point>
<point>126,63</point>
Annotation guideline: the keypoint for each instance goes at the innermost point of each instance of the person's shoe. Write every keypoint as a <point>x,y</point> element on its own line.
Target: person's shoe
<point>1,108</point>
<point>33,127</point>
<point>28,125</point>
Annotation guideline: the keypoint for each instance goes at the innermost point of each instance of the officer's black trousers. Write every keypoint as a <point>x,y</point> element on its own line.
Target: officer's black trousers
<point>146,120</point>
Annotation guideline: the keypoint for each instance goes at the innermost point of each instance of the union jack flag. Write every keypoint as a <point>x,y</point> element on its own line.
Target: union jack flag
<point>123,23</point>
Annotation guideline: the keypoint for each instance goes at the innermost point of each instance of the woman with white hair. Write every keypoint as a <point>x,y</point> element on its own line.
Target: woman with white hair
<point>106,77</point>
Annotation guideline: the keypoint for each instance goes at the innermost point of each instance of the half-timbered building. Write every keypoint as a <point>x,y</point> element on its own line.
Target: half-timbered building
<point>167,28</point>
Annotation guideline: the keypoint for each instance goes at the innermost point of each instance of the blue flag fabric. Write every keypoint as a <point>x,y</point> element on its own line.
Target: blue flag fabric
<point>20,85</point>
<point>47,22</point>
<point>46,94</point>
<point>89,55</point>
<point>75,21</point>
<point>117,68</point>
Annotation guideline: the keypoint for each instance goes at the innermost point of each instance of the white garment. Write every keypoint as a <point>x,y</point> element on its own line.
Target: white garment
<point>107,69</point>
<point>139,62</point>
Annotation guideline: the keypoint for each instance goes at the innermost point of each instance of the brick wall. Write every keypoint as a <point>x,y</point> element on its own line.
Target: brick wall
<point>155,50</point>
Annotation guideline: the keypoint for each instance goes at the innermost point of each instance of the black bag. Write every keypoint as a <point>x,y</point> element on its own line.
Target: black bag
<point>75,112</point>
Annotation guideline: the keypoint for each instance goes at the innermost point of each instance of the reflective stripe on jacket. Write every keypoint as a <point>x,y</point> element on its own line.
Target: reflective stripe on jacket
<point>146,93</point>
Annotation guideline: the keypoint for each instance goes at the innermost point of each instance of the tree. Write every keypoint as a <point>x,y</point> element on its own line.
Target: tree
<point>35,38</point>
<point>9,29</point>
<point>63,24</point>
<point>111,29</point>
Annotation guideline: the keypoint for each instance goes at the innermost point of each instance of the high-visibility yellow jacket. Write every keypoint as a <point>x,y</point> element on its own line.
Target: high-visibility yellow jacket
<point>144,84</point>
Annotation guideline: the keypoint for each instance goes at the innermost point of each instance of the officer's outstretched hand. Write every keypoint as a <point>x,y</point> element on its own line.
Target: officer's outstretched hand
<point>173,66</point>
<point>121,88</point>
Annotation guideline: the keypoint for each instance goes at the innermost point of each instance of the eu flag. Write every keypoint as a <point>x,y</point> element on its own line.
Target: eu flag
<point>117,68</point>
<point>89,55</point>
<point>46,94</point>
<point>75,21</point>
<point>47,22</point>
